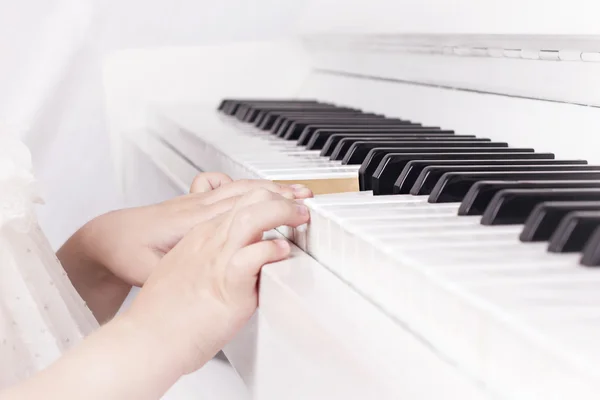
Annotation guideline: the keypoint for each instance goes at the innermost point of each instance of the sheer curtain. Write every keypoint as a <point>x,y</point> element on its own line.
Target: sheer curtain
<point>49,53</point>
<point>41,314</point>
<point>38,41</point>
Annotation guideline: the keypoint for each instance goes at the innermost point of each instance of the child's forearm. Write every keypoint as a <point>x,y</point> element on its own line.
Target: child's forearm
<point>122,360</point>
<point>103,292</point>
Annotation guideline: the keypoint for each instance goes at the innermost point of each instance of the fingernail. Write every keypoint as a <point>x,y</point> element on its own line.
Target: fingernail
<point>288,195</point>
<point>298,188</point>
<point>302,209</point>
<point>282,244</point>
<point>304,192</point>
<point>301,190</point>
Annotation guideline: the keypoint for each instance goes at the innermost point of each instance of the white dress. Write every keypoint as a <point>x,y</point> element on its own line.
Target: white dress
<point>41,314</point>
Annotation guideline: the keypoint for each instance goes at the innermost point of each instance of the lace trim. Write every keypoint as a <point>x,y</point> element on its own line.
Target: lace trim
<point>19,190</point>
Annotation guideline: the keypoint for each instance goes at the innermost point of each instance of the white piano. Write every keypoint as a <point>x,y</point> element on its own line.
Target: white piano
<point>392,296</point>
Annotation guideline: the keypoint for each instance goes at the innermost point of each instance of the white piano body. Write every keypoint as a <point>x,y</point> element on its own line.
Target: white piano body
<point>320,334</point>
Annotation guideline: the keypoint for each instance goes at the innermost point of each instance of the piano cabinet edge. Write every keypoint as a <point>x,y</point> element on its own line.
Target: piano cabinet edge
<point>315,337</point>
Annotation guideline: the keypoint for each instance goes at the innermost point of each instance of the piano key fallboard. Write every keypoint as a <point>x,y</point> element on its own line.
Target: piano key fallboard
<point>485,249</point>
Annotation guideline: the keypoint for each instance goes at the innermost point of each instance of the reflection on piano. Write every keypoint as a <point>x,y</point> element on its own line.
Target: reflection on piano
<point>456,227</point>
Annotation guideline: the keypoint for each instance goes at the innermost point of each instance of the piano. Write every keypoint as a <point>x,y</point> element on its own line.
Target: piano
<point>454,241</point>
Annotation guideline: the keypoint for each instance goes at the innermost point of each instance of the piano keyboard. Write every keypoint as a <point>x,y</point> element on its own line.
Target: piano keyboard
<point>483,248</point>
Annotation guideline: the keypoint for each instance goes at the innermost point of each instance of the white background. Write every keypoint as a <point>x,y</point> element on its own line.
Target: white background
<point>50,81</point>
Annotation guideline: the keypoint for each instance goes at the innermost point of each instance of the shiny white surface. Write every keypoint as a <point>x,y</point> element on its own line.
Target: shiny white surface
<point>315,337</point>
<point>452,61</point>
<point>318,338</point>
<point>446,17</point>
<point>563,129</point>
<point>521,305</point>
<point>223,144</point>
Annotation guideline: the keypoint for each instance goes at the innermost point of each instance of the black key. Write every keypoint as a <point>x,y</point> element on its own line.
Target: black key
<point>253,113</point>
<point>386,175</point>
<point>247,110</point>
<point>244,110</point>
<point>574,231</point>
<point>350,152</point>
<point>399,160</point>
<point>230,106</point>
<point>345,142</point>
<point>287,117</point>
<point>456,184</point>
<point>284,120</point>
<point>266,102</point>
<point>344,146</point>
<point>481,193</point>
<point>591,251</point>
<point>327,139</point>
<point>513,206</point>
<point>265,118</point>
<point>294,129</point>
<point>316,139</point>
<point>545,217</point>
<point>363,128</point>
<point>324,131</point>
<point>271,114</point>
<point>331,141</point>
<point>223,104</point>
<point>359,151</point>
<point>432,174</point>
<point>478,197</point>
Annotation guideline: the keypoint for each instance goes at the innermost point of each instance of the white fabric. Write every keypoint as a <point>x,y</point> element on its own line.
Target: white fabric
<point>41,314</point>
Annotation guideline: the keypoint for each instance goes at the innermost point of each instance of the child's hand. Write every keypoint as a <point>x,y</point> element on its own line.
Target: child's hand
<point>201,293</point>
<point>207,181</point>
<point>205,289</point>
<point>130,242</point>
<point>120,249</point>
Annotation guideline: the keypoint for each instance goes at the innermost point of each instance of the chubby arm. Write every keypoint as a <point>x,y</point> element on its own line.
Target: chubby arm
<point>201,293</point>
<point>118,250</point>
<point>120,361</point>
<point>100,288</point>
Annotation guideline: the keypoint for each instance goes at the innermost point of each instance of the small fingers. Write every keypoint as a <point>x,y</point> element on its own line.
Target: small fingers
<point>208,181</point>
<point>198,214</point>
<point>240,188</point>
<point>257,196</point>
<point>245,265</point>
<point>301,191</point>
<point>250,222</point>
<point>211,230</point>
<point>226,210</point>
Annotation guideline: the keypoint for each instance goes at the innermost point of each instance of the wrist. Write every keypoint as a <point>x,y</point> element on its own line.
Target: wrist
<point>103,291</point>
<point>148,344</point>
<point>121,360</point>
<point>90,239</point>
<point>192,334</point>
